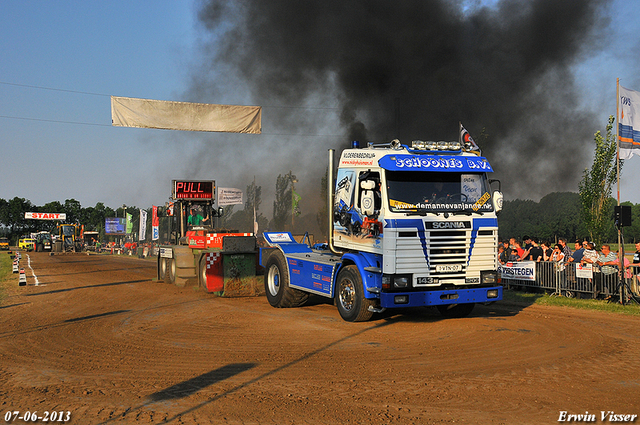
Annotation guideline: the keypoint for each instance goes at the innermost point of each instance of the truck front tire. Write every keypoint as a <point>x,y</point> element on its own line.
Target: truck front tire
<point>350,300</point>
<point>276,284</point>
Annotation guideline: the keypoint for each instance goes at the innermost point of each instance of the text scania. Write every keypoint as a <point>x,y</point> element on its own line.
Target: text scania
<point>448,225</point>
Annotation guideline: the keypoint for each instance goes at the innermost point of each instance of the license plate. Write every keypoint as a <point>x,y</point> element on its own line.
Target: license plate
<point>447,268</point>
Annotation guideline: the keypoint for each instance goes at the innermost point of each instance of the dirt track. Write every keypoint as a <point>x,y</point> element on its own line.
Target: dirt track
<point>100,339</point>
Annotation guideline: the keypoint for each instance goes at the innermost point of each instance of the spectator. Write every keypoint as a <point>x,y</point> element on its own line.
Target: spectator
<point>589,256</point>
<point>503,258</point>
<point>565,248</point>
<point>557,256</point>
<point>517,252</point>
<point>535,252</point>
<point>627,270</point>
<point>577,254</point>
<point>507,248</point>
<point>606,261</point>
<point>546,251</point>
<point>635,263</point>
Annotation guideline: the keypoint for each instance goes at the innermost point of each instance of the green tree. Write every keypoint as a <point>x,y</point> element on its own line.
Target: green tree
<point>73,209</point>
<point>282,203</point>
<point>595,186</point>
<point>12,217</point>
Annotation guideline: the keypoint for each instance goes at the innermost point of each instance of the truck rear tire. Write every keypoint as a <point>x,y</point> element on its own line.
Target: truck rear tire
<point>202,273</point>
<point>455,310</point>
<point>276,284</point>
<point>170,277</point>
<point>162,269</point>
<point>350,300</point>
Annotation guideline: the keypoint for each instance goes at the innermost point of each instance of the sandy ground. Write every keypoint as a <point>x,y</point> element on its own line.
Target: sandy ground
<point>99,339</point>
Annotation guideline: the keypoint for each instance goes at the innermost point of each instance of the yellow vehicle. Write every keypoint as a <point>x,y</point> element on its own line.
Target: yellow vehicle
<point>4,244</point>
<point>69,238</point>
<point>28,244</point>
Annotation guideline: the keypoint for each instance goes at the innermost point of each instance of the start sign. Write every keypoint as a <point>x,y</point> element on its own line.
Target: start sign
<point>191,189</point>
<point>46,216</point>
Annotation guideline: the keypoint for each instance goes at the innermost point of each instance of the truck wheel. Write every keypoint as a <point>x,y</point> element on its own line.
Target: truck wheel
<point>352,305</point>
<point>276,284</point>
<point>170,276</point>
<point>162,269</point>
<point>202,273</point>
<point>455,310</point>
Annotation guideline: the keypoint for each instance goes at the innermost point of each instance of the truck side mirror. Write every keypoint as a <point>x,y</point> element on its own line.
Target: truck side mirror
<point>497,201</point>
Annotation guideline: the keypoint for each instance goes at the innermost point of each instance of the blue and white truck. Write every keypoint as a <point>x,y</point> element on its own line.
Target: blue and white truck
<point>408,226</point>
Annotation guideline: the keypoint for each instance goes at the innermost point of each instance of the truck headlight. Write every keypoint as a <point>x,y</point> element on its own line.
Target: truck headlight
<point>400,282</point>
<point>488,277</point>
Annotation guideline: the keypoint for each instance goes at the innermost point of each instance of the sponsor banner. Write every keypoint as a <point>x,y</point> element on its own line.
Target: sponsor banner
<point>229,196</point>
<point>142,231</point>
<point>521,270</point>
<point>629,122</point>
<point>584,271</point>
<point>155,224</point>
<point>45,216</point>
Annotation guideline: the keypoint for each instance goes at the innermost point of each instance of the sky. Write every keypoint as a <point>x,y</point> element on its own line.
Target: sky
<point>61,62</point>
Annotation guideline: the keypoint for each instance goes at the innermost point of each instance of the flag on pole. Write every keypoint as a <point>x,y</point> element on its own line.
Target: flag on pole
<point>129,223</point>
<point>142,230</point>
<point>628,122</point>
<point>155,224</point>
<point>465,138</point>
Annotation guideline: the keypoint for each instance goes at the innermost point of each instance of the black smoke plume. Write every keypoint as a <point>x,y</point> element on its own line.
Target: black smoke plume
<point>330,71</point>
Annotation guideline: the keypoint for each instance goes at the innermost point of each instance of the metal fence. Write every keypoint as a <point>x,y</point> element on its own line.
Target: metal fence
<point>562,279</point>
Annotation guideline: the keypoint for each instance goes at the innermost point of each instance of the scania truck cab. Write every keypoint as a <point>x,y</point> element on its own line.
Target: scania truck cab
<point>410,226</point>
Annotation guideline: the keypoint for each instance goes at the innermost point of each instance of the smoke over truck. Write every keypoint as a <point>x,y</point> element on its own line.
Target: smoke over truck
<point>408,227</point>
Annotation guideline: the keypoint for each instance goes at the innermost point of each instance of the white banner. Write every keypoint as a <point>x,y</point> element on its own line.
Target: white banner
<point>143,225</point>
<point>229,196</point>
<point>521,270</point>
<point>45,216</point>
<point>147,113</point>
<point>628,122</point>
<point>584,271</point>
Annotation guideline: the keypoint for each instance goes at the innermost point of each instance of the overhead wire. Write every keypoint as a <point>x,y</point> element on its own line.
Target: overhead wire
<point>108,125</point>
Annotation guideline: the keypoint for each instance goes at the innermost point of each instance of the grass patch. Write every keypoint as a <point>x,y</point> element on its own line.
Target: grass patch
<point>545,299</point>
<point>6,270</point>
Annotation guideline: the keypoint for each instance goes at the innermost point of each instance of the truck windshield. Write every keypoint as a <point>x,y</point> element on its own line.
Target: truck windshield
<point>411,191</point>
<point>68,230</point>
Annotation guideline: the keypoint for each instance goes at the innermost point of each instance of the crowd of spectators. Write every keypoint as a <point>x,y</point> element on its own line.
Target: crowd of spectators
<point>606,261</point>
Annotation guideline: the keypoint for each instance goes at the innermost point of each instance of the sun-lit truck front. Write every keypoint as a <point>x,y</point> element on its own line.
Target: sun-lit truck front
<point>434,227</point>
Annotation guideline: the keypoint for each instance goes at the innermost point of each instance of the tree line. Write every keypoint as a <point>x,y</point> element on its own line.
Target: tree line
<point>14,225</point>
<point>558,215</point>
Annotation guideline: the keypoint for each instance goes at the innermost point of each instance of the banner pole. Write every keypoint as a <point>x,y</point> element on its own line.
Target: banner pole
<point>621,271</point>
